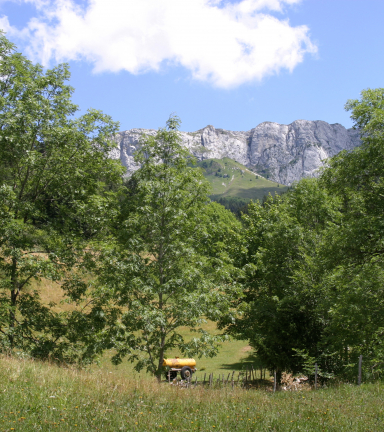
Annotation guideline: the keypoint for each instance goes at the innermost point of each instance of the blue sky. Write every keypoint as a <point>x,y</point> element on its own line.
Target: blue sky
<point>232,64</point>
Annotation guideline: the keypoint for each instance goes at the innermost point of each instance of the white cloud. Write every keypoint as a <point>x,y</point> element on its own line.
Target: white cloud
<point>224,43</point>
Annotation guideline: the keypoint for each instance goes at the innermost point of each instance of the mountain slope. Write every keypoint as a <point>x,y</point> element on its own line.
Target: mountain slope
<point>229,178</point>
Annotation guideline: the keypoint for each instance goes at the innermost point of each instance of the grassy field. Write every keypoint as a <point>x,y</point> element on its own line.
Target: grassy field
<point>233,355</point>
<point>37,396</point>
<point>229,178</point>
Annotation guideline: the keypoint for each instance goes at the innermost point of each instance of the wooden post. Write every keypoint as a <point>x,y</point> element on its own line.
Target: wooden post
<point>315,376</point>
<point>253,374</point>
<point>228,378</point>
<point>204,377</point>
<point>274,383</point>
<point>196,381</point>
<point>238,377</point>
<point>359,376</point>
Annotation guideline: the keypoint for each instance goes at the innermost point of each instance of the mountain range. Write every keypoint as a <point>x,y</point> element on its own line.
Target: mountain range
<point>281,153</point>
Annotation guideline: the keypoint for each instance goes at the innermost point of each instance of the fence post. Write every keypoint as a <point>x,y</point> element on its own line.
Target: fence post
<point>315,376</point>
<point>359,376</point>
<point>274,382</point>
<point>204,378</point>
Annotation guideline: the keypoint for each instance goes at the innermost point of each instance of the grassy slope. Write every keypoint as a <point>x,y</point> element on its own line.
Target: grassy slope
<point>41,397</point>
<point>240,182</point>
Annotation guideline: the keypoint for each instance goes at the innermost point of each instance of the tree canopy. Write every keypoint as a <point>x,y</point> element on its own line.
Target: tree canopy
<point>167,268</point>
<point>55,174</point>
<point>314,262</point>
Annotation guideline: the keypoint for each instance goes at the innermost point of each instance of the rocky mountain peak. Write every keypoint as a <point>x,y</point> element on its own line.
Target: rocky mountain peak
<point>282,153</point>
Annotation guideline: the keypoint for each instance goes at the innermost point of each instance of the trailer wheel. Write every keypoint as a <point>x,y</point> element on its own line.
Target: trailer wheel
<point>172,375</point>
<point>186,373</point>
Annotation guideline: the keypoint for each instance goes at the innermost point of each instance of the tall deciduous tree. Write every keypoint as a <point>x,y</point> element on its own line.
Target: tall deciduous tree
<point>355,247</point>
<point>160,273</point>
<point>314,261</point>
<point>54,199</point>
<point>282,238</point>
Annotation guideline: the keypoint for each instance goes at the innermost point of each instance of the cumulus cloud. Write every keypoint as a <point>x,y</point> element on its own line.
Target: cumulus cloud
<point>224,43</point>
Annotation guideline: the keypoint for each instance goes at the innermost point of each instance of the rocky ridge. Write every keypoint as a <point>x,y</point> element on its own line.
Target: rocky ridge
<point>282,153</point>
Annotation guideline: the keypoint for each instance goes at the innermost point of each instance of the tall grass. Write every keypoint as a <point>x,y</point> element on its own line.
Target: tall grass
<point>36,396</point>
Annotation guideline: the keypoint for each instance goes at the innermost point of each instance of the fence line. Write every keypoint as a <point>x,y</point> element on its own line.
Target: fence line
<point>248,378</point>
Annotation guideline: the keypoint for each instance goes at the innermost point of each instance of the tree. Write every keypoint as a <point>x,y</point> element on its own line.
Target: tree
<point>282,238</point>
<point>55,175</point>
<point>354,250</point>
<point>314,262</point>
<point>160,274</point>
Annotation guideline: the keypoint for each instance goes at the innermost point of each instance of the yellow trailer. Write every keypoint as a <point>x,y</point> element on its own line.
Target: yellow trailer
<point>186,367</point>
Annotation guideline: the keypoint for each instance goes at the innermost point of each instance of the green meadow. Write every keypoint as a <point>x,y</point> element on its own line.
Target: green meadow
<point>38,396</point>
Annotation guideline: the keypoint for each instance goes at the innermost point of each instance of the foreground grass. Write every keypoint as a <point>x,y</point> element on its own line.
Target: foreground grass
<point>40,397</point>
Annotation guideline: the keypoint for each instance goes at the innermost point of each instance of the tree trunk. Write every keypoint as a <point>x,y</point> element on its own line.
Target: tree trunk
<point>160,365</point>
<point>278,379</point>
<point>14,293</point>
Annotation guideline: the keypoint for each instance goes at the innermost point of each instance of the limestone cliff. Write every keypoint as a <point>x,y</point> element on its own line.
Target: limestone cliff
<point>283,153</point>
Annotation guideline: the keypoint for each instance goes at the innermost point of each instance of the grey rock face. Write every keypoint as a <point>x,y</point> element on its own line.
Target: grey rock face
<point>284,153</point>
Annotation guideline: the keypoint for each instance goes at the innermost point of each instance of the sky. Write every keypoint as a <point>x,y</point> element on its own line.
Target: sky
<point>229,63</point>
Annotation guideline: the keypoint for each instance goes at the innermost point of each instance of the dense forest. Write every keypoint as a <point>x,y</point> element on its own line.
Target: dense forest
<point>300,275</point>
